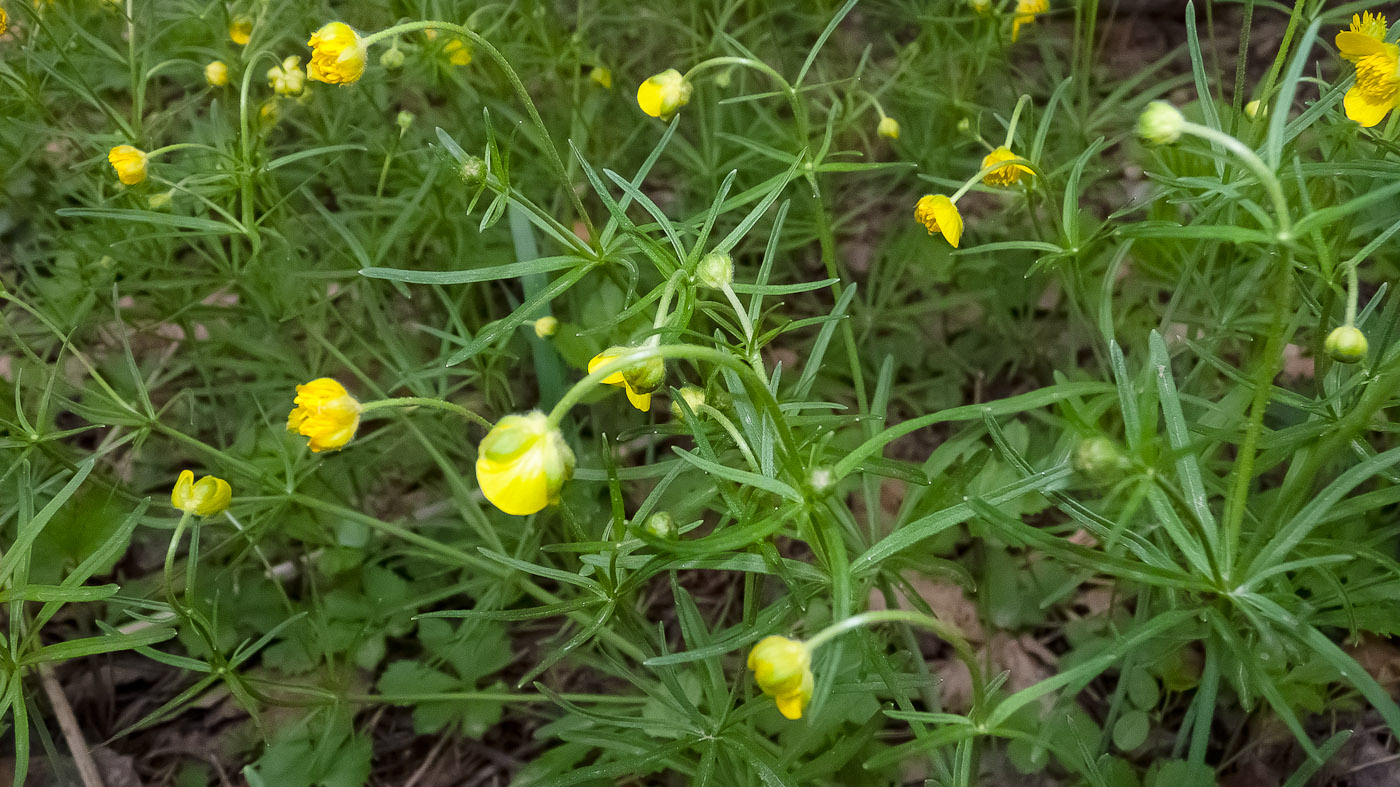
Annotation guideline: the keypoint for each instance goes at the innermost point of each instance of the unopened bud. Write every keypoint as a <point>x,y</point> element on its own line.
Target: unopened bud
<point>645,376</point>
<point>888,128</point>
<point>1346,344</point>
<point>1161,123</point>
<point>404,121</point>
<point>1098,457</point>
<point>392,59</point>
<point>661,525</point>
<point>716,270</point>
<point>546,326</point>
<point>694,397</point>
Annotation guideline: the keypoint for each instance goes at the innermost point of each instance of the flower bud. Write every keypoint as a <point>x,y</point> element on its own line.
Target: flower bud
<point>129,163</point>
<point>601,76</point>
<point>287,79</point>
<point>206,497</point>
<point>1346,344</point>
<point>663,94</point>
<point>338,55</point>
<point>694,397</point>
<point>392,59</point>
<point>661,525</point>
<point>782,668</point>
<point>240,30</point>
<point>888,128</point>
<point>404,120</point>
<point>1161,123</point>
<point>651,372</point>
<point>965,126</point>
<point>473,171</point>
<point>1098,457</point>
<point>1252,109</point>
<point>645,376</point>
<point>523,464</point>
<point>716,270</point>
<point>216,73</point>
<point>325,413</point>
<point>546,326</point>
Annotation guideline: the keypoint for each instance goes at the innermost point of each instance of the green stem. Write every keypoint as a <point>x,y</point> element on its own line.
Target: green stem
<point>424,401</point>
<point>742,314</point>
<point>170,551</point>
<point>1261,170</point>
<point>1015,118</point>
<point>799,110</point>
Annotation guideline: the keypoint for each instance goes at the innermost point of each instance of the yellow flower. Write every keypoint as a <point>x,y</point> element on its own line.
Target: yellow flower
<point>129,162</point>
<point>602,76</point>
<point>206,497</point>
<point>4,21</point>
<point>326,413</point>
<point>782,668</point>
<point>287,79</point>
<point>661,95</point>
<point>1007,174</point>
<point>1377,88</point>
<point>939,214</point>
<point>888,128</point>
<point>458,53</point>
<point>337,54</point>
<point>216,73</point>
<point>523,463</point>
<point>1026,12</point>
<point>640,399</point>
<point>240,30</point>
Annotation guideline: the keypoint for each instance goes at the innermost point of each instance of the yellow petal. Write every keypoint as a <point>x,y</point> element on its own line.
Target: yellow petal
<point>950,222</point>
<point>184,489</point>
<point>791,705</point>
<point>649,98</point>
<point>603,357</point>
<point>1363,110</point>
<point>1356,45</point>
<point>640,401</point>
<point>514,488</point>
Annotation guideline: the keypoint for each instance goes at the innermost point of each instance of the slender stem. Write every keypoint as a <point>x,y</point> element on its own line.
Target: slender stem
<point>1353,287</point>
<point>1261,170</point>
<point>990,168</point>
<point>664,307</point>
<point>742,313</point>
<point>170,551</point>
<point>424,401</point>
<point>728,426</point>
<point>799,110</point>
<point>1015,118</point>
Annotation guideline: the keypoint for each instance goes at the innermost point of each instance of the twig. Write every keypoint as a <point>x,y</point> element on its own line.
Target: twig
<point>72,733</point>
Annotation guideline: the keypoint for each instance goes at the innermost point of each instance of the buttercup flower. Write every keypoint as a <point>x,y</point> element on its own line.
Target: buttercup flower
<point>4,21</point>
<point>325,413</point>
<point>1026,12</point>
<point>458,53</point>
<point>1007,174</point>
<point>602,76</point>
<point>888,128</point>
<point>1161,123</point>
<point>938,213</point>
<point>1377,88</point>
<point>129,162</point>
<point>782,668</point>
<point>661,95</point>
<point>337,55</point>
<point>287,79</point>
<point>523,463</point>
<point>206,497</point>
<point>634,380</point>
<point>1346,344</point>
<point>216,73</point>
<point>240,30</point>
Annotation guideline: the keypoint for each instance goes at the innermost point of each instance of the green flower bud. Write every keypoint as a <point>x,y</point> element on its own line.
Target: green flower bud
<point>645,376</point>
<point>1097,457</point>
<point>1161,123</point>
<point>694,397</point>
<point>392,59</point>
<point>404,121</point>
<point>715,270</point>
<point>661,525</point>
<point>888,128</point>
<point>1346,344</point>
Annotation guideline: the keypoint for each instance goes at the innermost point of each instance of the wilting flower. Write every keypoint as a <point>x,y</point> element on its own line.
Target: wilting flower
<point>888,128</point>
<point>325,413</point>
<point>1377,88</point>
<point>337,55</point>
<point>782,668</point>
<point>240,30</point>
<point>1346,344</point>
<point>1026,12</point>
<point>216,73</point>
<point>1006,174</point>
<point>129,162</point>
<point>458,52</point>
<point>634,379</point>
<point>938,213</point>
<point>206,497</point>
<point>287,79</point>
<point>1161,123</point>
<point>661,95</point>
<point>602,76</point>
<point>523,463</point>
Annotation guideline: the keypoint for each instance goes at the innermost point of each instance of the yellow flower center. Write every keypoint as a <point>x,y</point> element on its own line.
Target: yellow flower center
<point>1378,77</point>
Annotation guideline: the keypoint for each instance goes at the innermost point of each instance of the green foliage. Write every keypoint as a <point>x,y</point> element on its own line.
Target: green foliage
<point>1079,496</point>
